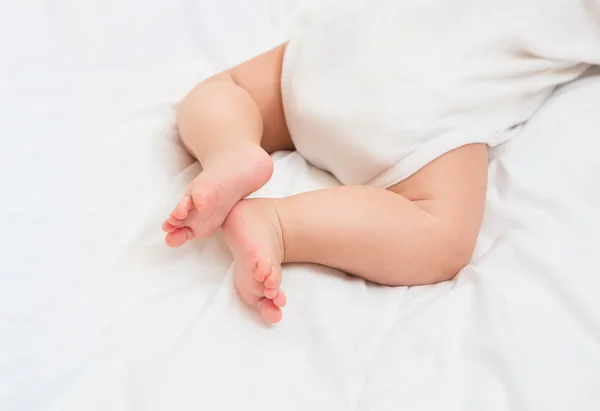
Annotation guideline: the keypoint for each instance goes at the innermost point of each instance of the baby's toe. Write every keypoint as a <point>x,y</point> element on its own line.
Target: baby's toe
<point>263,269</point>
<point>273,281</point>
<point>182,209</point>
<point>179,237</point>
<point>280,300</point>
<point>269,311</point>
<point>167,227</point>
<point>277,296</point>
<point>270,294</point>
<point>174,221</point>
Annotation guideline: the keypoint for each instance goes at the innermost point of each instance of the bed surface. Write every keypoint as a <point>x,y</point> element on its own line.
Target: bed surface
<point>97,314</point>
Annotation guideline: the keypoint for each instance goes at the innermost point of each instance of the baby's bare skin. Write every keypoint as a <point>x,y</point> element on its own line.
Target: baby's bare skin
<point>420,231</point>
<point>251,228</point>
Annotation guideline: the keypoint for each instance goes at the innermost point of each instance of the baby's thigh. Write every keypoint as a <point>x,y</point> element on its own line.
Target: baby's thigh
<point>260,77</point>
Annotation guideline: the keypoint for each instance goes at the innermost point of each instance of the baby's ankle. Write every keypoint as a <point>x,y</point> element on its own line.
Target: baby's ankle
<point>275,221</point>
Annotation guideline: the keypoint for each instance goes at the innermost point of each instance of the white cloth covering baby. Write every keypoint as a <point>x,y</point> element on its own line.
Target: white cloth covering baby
<point>378,92</point>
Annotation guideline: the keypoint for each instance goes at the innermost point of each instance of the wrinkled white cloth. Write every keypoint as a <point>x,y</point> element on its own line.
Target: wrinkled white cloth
<point>376,93</point>
<point>97,314</point>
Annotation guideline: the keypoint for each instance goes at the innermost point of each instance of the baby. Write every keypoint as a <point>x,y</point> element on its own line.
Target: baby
<point>400,103</point>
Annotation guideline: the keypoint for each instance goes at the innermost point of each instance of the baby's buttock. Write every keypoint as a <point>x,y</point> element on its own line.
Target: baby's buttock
<point>376,95</point>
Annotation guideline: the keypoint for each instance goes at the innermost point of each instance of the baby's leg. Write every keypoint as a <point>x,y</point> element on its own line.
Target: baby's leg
<point>230,123</point>
<point>223,122</point>
<point>421,231</point>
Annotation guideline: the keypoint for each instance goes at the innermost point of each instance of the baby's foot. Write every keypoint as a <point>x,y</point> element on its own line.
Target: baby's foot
<point>253,233</point>
<point>226,179</point>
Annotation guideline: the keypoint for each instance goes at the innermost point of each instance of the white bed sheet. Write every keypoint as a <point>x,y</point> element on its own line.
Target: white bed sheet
<point>96,313</point>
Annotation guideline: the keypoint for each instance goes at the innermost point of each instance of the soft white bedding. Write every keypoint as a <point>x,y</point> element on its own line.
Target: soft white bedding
<point>96,314</point>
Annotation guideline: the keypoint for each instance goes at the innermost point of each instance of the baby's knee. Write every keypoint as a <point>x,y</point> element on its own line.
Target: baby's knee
<point>453,247</point>
<point>206,95</point>
<point>219,106</point>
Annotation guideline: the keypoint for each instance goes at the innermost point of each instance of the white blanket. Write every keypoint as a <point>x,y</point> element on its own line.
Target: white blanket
<point>97,314</point>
